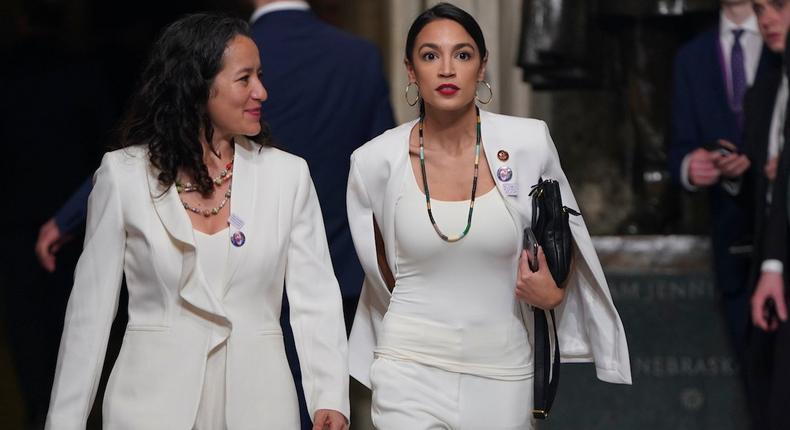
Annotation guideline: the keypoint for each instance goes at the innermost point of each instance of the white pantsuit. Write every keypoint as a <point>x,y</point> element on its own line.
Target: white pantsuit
<point>588,324</point>
<point>408,395</point>
<point>175,319</point>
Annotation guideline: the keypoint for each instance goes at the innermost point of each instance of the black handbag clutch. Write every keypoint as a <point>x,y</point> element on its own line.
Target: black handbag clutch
<point>553,233</point>
<point>551,228</point>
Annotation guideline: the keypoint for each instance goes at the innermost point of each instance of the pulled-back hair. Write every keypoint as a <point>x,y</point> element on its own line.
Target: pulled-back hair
<point>444,11</point>
<point>169,111</point>
<point>453,13</point>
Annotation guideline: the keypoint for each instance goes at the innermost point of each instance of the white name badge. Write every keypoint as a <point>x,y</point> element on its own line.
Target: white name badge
<point>236,221</point>
<point>510,189</point>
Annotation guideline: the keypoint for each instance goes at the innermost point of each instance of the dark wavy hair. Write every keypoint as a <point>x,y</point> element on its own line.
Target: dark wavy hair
<point>168,111</point>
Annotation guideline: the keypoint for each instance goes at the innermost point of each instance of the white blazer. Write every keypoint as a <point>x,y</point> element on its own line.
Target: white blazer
<point>137,229</point>
<point>589,327</point>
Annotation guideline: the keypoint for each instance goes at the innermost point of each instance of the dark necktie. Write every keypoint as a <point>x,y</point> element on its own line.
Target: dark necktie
<point>737,72</point>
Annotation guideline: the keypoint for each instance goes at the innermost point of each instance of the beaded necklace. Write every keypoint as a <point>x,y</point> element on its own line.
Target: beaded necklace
<point>224,175</point>
<point>443,236</point>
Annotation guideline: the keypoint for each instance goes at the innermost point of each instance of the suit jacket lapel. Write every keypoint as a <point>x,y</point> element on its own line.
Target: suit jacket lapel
<point>392,193</point>
<point>170,210</point>
<point>516,187</point>
<point>765,102</point>
<point>242,204</point>
<point>193,288</point>
<point>769,63</point>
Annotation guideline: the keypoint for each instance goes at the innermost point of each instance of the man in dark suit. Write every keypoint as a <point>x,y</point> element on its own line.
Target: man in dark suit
<point>763,108</point>
<point>56,231</point>
<point>327,96</point>
<point>711,75</point>
<point>759,105</point>
<point>774,17</point>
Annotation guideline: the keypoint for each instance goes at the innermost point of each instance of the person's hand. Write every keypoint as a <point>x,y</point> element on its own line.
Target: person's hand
<point>770,168</point>
<point>537,288</point>
<point>770,286</point>
<point>731,165</point>
<point>328,419</point>
<point>49,242</point>
<point>702,168</point>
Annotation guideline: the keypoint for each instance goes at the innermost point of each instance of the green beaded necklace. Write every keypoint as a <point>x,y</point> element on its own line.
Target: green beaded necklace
<point>444,237</point>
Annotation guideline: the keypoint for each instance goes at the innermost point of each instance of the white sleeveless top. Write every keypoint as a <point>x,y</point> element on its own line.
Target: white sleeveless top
<point>212,260</point>
<point>454,305</point>
<point>212,256</point>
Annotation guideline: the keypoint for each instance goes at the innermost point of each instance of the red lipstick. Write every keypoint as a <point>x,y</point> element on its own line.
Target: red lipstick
<point>447,89</point>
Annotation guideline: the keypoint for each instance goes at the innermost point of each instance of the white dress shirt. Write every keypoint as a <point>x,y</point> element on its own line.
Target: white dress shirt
<point>776,137</point>
<point>752,44</point>
<point>278,6</point>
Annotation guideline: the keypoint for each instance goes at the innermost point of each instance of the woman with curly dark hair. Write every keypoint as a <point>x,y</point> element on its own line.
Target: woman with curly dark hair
<point>207,222</point>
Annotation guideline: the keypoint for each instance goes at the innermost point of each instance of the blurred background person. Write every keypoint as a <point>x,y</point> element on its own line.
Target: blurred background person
<point>764,109</point>
<point>711,75</point>
<point>769,301</point>
<point>58,230</point>
<point>327,96</point>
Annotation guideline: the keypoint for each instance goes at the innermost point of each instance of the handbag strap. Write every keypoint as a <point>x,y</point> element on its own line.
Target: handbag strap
<point>547,371</point>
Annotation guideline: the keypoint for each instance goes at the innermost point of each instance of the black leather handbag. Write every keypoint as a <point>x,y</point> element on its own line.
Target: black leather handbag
<point>552,231</point>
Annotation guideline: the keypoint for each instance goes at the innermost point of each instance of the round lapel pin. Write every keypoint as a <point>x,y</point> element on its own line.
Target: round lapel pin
<point>237,239</point>
<point>504,173</point>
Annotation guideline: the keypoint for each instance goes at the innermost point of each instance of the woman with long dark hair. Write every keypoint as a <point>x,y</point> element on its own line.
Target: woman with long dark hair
<point>208,223</point>
<point>436,208</point>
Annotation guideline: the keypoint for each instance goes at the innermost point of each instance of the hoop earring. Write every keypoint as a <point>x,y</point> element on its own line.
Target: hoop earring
<point>406,94</point>
<point>490,93</point>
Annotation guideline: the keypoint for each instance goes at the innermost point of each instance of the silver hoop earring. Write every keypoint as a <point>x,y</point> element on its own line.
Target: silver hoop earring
<point>490,93</point>
<point>406,94</point>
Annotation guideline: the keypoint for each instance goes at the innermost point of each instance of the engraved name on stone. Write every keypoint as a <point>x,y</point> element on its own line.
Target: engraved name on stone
<point>673,366</point>
<point>661,289</point>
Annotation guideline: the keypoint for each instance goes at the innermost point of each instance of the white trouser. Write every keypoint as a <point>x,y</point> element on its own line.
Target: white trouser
<point>409,395</point>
